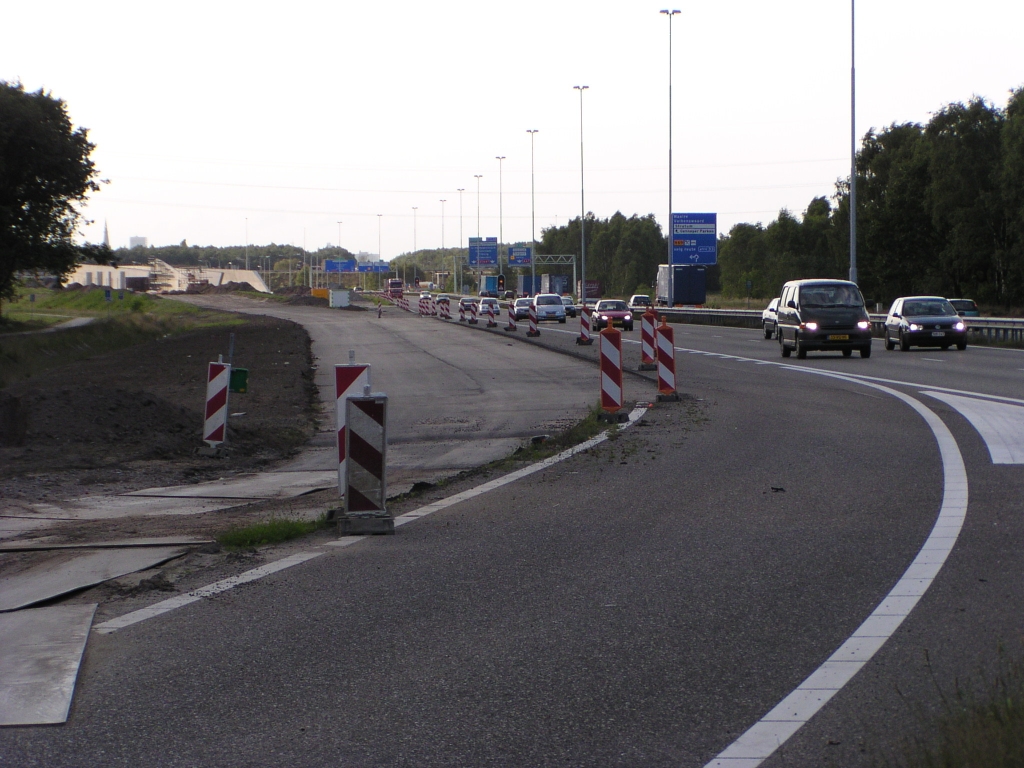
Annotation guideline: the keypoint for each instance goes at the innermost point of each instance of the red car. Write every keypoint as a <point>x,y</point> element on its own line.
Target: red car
<point>611,312</point>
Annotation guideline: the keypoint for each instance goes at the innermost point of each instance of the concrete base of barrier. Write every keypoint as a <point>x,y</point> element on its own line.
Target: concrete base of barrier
<point>508,328</point>
<point>366,525</point>
<point>211,451</point>
<point>584,342</point>
<point>472,321</point>
<point>647,367</point>
<point>533,334</point>
<point>618,417</point>
<point>670,398</point>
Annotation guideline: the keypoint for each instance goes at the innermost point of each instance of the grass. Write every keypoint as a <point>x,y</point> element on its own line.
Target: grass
<point>272,531</point>
<point>980,728</point>
<point>578,433</point>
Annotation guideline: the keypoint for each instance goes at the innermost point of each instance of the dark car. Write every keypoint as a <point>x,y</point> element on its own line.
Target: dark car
<point>924,321</point>
<point>965,307</point>
<point>611,312</point>
<point>823,315</point>
<point>570,307</point>
<point>508,295</point>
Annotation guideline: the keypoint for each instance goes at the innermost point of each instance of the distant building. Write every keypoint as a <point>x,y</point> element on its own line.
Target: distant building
<point>138,242</point>
<point>364,256</point>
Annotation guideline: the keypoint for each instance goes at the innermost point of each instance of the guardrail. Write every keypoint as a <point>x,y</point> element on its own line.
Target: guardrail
<point>990,328</point>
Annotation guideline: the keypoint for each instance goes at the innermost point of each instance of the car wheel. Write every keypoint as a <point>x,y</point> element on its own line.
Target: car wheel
<point>628,327</point>
<point>961,346</point>
<point>782,344</point>
<point>890,345</point>
<point>847,352</point>
<point>801,351</point>
<point>561,320</point>
<point>904,343</point>
<point>865,351</point>
<point>767,331</point>
<point>945,347</point>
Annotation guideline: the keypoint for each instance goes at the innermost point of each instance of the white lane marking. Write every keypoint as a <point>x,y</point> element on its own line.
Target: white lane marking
<point>790,714</point>
<point>164,606</point>
<point>1000,425</point>
<point>933,359</point>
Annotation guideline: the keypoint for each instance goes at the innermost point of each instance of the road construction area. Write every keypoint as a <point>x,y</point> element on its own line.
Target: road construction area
<point>797,563</point>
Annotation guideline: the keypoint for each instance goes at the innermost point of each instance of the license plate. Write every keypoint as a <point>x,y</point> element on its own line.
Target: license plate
<point>938,333</point>
<point>839,337</point>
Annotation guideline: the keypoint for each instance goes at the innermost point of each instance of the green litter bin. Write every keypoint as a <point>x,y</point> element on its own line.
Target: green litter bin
<point>239,380</point>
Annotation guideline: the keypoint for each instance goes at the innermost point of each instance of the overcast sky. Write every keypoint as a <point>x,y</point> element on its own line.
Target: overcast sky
<point>217,121</point>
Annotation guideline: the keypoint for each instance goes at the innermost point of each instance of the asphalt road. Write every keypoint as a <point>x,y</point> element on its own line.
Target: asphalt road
<point>643,603</point>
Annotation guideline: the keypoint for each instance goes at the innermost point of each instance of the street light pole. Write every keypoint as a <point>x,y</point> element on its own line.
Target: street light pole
<point>669,232</point>
<point>477,176</point>
<point>501,212</point>
<point>246,243</point>
<point>414,209</point>
<point>455,262</point>
<point>533,217</point>
<point>583,209</point>
<point>853,146</point>
<point>380,251</point>
<point>442,236</point>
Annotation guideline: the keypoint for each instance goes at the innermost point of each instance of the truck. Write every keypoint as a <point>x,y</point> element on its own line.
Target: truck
<point>394,289</point>
<point>558,284</point>
<point>488,285</point>
<point>524,285</point>
<point>681,285</point>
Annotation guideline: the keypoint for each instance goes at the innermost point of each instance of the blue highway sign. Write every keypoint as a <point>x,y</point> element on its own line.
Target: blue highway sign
<point>694,238</point>
<point>483,252</point>
<point>520,255</point>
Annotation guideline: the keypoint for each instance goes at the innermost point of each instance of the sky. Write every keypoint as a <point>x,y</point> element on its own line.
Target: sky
<point>222,123</point>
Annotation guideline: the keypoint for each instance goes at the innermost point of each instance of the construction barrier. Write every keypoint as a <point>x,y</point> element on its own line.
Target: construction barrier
<point>534,331</point>
<point>584,337</point>
<point>444,306</point>
<point>472,313</point>
<point>349,381</point>
<point>433,307</point>
<point>665,341</point>
<point>365,447</point>
<point>490,317</point>
<point>218,377</point>
<point>647,322</point>
<point>462,313</point>
<point>511,318</point>
<point>611,370</point>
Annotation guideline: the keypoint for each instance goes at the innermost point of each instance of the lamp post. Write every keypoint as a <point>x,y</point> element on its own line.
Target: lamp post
<point>442,234</point>
<point>853,146</point>
<point>477,176</point>
<point>414,209</point>
<point>533,217</point>
<point>583,209</point>
<point>380,257</point>
<point>455,263</point>
<point>670,14</point>
<point>247,242</point>
<point>501,213</point>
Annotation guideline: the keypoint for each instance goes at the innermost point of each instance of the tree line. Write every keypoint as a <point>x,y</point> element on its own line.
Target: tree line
<point>940,210</point>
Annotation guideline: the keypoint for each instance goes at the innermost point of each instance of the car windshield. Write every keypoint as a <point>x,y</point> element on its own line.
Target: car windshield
<point>522,302</point>
<point>928,308</point>
<point>641,300</point>
<point>612,306</point>
<point>824,295</point>
<point>964,305</point>
<point>548,300</point>
<point>567,300</point>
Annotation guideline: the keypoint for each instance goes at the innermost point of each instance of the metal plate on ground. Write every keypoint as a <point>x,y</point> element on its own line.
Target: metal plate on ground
<point>42,545</point>
<point>40,652</point>
<point>266,485</point>
<point>58,574</point>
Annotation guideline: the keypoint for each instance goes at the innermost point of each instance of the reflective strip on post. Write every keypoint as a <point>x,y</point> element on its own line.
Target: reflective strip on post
<point>647,322</point>
<point>218,376</point>
<point>611,370</point>
<point>665,340</point>
<point>533,321</point>
<point>472,312</point>
<point>584,326</point>
<point>462,313</point>
<point>366,444</point>
<point>349,381</point>
<point>490,316</point>
<point>511,318</point>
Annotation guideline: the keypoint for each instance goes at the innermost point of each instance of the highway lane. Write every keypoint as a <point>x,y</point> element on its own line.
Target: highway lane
<point>641,605</point>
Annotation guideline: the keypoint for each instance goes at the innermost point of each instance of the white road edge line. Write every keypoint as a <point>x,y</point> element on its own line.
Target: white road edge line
<point>164,606</point>
<point>790,714</point>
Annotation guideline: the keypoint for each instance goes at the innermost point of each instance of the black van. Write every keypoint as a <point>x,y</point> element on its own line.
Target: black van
<point>826,315</point>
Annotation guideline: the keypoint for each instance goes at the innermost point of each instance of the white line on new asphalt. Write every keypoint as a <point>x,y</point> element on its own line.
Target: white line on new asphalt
<point>164,606</point>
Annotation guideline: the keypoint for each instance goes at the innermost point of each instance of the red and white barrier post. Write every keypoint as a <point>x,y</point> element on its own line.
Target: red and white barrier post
<point>472,311</point>
<point>647,322</point>
<point>462,313</point>
<point>490,317</point>
<point>584,337</point>
<point>215,426</point>
<point>349,381</point>
<point>665,341</point>
<point>534,331</point>
<point>611,373</point>
<point>433,307</point>
<point>365,484</point>
<point>445,307</point>
<point>511,317</point>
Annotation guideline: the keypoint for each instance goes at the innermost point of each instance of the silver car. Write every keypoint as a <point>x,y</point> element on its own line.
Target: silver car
<point>769,318</point>
<point>549,307</point>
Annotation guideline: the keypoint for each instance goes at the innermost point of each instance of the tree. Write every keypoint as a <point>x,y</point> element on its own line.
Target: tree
<point>45,173</point>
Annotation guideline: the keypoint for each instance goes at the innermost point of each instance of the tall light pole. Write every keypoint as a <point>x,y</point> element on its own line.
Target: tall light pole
<point>414,209</point>
<point>501,211</point>
<point>246,243</point>
<point>455,265</point>
<point>669,232</point>
<point>533,216</point>
<point>853,146</point>
<point>583,209</point>
<point>380,251</point>
<point>477,176</point>
<point>442,234</point>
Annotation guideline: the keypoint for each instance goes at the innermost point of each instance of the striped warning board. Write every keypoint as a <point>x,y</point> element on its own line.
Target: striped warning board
<point>647,322</point>
<point>611,370</point>
<point>349,381</point>
<point>584,337</point>
<point>366,446</point>
<point>218,376</point>
<point>665,343</point>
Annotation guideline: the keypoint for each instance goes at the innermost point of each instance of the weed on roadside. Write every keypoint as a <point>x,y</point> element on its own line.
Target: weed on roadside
<point>273,531</point>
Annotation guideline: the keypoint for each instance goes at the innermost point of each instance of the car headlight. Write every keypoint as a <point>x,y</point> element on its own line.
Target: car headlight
<point>810,326</point>
<point>960,326</point>
<point>629,316</point>
<point>604,317</point>
<point>863,325</point>
<point>915,327</point>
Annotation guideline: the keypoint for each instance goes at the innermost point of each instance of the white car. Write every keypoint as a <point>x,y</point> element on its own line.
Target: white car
<point>488,302</point>
<point>549,306</point>
<point>770,318</point>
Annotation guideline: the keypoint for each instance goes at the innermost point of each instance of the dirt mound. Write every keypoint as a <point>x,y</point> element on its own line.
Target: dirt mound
<point>206,288</point>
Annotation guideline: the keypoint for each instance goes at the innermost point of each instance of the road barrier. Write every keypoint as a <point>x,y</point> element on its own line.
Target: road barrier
<point>611,370</point>
<point>218,377</point>
<point>490,317</point>
<point>422,309</point>
<point>349,381</point>
<point>647,322</point>
<point>472,313</point>
<point>462,313</point>
<point>585,337</point>
<point>365,509</point>
<point>511,318</point>
<point>433,307</point>
<point>445,307</point>
<point>533,332</point>
<point>665,341</point>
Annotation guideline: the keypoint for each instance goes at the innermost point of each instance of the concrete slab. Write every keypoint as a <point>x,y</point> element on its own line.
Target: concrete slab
<point>58,574</point>
<point>40,652</point>
<point>44,545</point>
<point>265,485</point>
